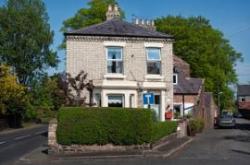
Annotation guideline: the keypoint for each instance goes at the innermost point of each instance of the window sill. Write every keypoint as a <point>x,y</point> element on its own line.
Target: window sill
<point>114,76</point>
<point>154,77</point>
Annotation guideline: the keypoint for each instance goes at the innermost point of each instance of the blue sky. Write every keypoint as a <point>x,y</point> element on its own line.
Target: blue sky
<point>232,17</point>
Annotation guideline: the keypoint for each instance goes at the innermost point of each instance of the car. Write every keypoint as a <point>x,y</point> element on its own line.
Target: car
<point>226,120</point>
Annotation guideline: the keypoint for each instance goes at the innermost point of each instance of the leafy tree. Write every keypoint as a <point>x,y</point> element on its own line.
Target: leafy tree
<point>96,13</point>
<point>12,96</point>
<point>207,51</point>
<point>25,38</point>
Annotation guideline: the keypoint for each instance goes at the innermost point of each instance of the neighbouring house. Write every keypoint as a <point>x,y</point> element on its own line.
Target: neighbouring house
<point>243,100</point>
<point>131,64</point>
<point>187,90</point>
<point>190,97</point>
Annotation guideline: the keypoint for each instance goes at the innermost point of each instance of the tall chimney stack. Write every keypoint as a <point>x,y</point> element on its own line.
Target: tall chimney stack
<point>113,12</point>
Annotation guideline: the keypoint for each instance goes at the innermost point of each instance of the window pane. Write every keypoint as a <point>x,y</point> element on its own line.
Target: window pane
<point>175,78</point>
<point>115,67</point>
<point>114,53</point>
<point>115,101</point>
<point>154,67</point>
<point>153,54</point>
<point>157,99</point>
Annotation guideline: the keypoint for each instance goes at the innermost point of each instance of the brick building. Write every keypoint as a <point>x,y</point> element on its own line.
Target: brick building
<point>190,97</point>
<point>243,100</point>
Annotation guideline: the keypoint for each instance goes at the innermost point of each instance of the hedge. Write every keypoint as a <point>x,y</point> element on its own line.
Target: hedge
<point>161,129</point>
<point>118,126</point>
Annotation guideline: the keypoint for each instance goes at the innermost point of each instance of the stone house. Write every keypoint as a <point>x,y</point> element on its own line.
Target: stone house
<point>126,61</point>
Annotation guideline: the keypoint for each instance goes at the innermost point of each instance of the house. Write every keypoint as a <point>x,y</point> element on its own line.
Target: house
<point>190,97</point>
<point>187,90</point>
<point>243,100</point>
<point>131,64</point>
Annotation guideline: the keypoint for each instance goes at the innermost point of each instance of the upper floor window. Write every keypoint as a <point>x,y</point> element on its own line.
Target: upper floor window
<point>175,78</point>
<point>114,60</point>
<point>153,61</point>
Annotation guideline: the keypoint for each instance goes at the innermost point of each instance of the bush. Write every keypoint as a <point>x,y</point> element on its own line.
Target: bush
<point>104,125</point>
<point>161,129</point>
<point>44,114</point>
<point>196,126</point>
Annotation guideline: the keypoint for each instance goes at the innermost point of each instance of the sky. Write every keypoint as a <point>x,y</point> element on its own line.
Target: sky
<point>232,17</point>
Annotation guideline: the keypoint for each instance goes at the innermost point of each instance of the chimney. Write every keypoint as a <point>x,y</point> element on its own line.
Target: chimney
<point>113,12</point>
<point>148,24</point>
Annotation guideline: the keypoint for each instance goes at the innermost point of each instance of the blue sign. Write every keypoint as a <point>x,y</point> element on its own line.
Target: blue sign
<point>148,98</point>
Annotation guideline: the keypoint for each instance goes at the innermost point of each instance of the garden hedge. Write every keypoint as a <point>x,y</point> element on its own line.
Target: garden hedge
<point>118,126</point>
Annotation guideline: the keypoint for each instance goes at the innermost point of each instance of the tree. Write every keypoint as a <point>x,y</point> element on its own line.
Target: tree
<point>96,13</point>
<point>79,83</point>
<point>207,51</point>
<point>25,38</point>
<point>12,96</point>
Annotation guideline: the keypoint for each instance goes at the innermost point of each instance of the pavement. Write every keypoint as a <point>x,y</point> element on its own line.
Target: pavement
<point>213,146</point>
<point>16,143</point>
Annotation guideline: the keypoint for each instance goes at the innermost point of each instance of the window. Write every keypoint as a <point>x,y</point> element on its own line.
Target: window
<point>243,99</point>
<point>114,60</point>
<point>115,100</point>
<point>175,78</point>
<point>153,61</point>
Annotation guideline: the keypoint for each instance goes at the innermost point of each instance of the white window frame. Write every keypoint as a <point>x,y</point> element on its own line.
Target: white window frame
<point>176,78</point>
<point>117,94</point>
<point>153,60</point>
<point>107,59</point>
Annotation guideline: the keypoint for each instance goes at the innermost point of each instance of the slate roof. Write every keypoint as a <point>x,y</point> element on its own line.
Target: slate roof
<point>188,85</point>
<point>243,90</point>
<point>118,28</point>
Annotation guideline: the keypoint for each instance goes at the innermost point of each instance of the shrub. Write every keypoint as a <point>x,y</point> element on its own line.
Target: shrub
<point>195,126</point>
<point>161,129</point>
<point>104,125</point>
<point>44,114</point>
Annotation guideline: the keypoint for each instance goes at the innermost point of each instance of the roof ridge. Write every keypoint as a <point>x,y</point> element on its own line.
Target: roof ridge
<point>118,27</point>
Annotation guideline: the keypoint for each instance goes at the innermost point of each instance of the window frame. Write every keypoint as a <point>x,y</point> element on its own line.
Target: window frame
<point>153,60</point>
<point>176,78</point>
<point>119,95</point>
<point>117,60</point>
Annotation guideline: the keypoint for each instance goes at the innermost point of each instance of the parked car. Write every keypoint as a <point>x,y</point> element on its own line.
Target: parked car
<point>226,120</point>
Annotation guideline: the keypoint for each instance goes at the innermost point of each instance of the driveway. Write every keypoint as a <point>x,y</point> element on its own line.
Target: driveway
<point>214,146</point>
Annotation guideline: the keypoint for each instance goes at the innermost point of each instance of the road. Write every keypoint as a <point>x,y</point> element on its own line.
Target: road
<point>220,146</point>
<point>18,143</point>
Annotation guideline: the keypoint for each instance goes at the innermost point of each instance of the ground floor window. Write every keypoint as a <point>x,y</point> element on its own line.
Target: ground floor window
<point>115,100</point>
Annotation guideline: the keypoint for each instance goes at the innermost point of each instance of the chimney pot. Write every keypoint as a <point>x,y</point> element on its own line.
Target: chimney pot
<point>112,12</point>
<point>116,8</point>
<point>110,8</point>
<point>142,21</point>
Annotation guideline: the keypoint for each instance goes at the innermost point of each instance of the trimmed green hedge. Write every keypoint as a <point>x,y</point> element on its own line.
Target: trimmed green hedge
<point>118,126</point>
<point>161,129</point>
